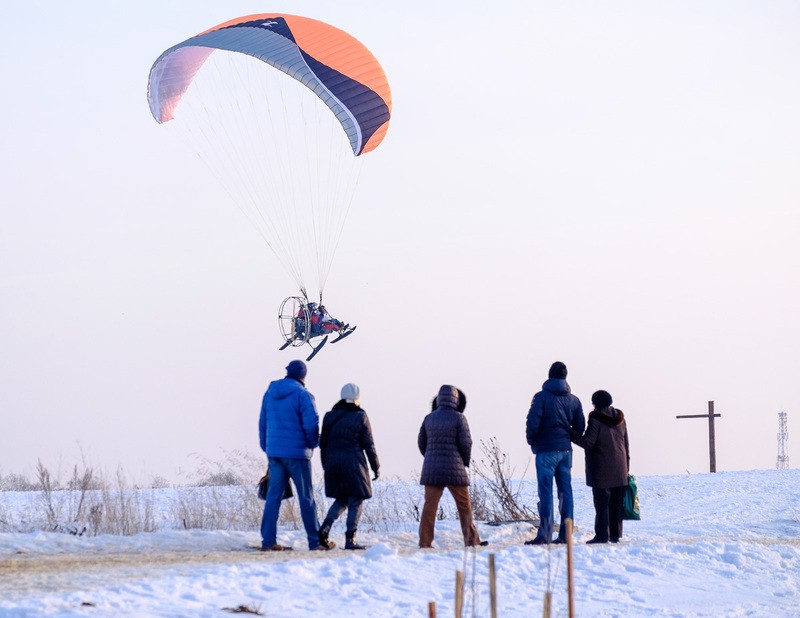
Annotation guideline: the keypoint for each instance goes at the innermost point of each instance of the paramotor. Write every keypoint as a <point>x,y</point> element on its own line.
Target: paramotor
<point>304,322</point>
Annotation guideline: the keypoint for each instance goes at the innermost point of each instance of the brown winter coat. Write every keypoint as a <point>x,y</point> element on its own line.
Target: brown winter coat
<point>445,442</point>
<point>606,445</point>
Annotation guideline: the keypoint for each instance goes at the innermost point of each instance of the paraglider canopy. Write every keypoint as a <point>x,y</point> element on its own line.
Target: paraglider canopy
<point>335,66</point>
<point>281,115</point>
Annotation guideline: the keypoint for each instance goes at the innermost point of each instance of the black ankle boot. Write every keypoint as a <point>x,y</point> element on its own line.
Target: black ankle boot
<point>323,532</point>
<point>350,541</point>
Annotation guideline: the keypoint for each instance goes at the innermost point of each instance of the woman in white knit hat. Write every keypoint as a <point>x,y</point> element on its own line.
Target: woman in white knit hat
<point>346,445</point>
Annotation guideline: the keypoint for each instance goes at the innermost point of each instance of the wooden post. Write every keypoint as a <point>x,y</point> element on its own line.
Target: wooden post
<point>492,588</point>
<point>570,583</point>
<point>432,609</point>
<point>459,593</point>
<point>712,445</point>
<point>548,604</point>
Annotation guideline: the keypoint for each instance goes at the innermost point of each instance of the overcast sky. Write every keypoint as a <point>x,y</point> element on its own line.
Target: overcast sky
<point>611,185</point>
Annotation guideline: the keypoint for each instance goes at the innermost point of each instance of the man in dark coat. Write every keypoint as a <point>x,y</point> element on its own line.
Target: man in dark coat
<point>346,436</point>
<point>446,444</point>
<point>554,413</point>
<point>288,430</point>
<point>607,463</point>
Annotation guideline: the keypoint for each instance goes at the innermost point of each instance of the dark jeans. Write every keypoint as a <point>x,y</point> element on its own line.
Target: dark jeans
<point>608,513</point>
<point>554,465</point>
<point>353,506</point>
<point>280,470</point>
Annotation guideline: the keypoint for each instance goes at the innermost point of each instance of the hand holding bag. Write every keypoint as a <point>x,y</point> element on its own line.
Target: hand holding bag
<point>263,487</point>
<point>630,500</point>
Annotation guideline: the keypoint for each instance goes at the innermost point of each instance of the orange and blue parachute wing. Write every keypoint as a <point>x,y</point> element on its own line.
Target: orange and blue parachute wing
<point>341,71</point>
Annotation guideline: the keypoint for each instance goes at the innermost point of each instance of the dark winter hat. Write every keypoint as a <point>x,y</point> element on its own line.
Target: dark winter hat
<point>297,370</point>
<point>558,370</point>
<point>602,399</point>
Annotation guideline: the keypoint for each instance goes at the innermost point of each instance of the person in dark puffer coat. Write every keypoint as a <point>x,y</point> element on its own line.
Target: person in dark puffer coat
<point>607,463</point>
<point>553,414</point>
<point>446,444</point>
<point>346,436</point>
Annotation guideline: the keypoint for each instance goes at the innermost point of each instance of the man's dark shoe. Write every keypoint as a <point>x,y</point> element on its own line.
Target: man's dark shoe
<point>537,541</point>
<point>595,540</point>
<point>560,541</point>
<point>330,545</point>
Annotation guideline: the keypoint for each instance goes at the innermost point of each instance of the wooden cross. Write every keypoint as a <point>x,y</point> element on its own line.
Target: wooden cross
<point>712,447</point>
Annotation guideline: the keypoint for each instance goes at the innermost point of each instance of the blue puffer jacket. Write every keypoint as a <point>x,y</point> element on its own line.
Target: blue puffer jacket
<point>445,442</point>
<point>554,413</point>
<point>289,423</point>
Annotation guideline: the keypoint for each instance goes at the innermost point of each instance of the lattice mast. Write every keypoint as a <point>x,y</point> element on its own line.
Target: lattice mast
<point>783,436</point>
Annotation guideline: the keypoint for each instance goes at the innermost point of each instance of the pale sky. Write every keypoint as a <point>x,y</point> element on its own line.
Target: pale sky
<point>611,185</point>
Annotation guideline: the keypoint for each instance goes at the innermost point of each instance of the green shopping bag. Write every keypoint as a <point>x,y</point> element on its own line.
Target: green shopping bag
<point>630,500</point>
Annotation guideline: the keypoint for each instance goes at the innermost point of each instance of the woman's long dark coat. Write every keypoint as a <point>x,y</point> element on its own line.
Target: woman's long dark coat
<point>346,436</point>
<point>607,451</point>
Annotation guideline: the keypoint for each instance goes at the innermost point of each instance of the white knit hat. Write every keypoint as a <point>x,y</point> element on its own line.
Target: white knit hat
<point>351,393</point>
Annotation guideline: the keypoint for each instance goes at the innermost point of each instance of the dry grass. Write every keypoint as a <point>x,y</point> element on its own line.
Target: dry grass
<point>243,609</point>
<point>88,502</point>
<point>501,498</point>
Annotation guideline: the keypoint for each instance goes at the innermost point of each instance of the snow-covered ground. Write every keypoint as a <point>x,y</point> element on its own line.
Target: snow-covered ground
<point>725,544</point>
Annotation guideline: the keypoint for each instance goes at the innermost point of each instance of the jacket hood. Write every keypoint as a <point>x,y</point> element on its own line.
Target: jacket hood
<point>345,405</point>
<point>447,397</point>
<point>280,389</point>
<point>557,386</point>
<point>610,417</point>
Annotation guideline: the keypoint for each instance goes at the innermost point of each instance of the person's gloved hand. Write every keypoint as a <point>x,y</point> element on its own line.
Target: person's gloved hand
<point>377,474</point>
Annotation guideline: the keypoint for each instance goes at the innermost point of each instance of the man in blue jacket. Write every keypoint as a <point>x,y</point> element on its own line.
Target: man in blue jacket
<point>288,429</point>
<point>554,413</point>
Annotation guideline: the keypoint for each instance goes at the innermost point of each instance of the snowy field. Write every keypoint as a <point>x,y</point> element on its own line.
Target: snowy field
<point>725,544</point>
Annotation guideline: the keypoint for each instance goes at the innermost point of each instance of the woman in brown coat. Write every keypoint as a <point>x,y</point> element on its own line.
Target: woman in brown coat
<point>607,463</point>
<point>446,445</point>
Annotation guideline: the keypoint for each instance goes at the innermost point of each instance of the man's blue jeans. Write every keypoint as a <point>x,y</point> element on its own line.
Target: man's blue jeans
<point>280,470</point>
<point>554,465</point>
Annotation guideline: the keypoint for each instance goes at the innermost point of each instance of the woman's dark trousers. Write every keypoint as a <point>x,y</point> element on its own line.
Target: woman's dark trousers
<point>353,506</point>
<point>608,513</point>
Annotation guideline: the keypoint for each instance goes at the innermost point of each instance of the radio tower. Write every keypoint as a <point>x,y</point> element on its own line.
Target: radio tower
<point>783,435</point>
